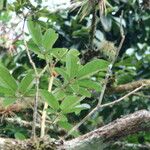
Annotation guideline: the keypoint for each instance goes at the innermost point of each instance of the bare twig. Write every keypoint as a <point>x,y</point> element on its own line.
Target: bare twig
<point>36,84</point>
<point>37,77</point>
<point>35,107</point>
<point>27,124</point>
<point>141,95</point>
<point>109,72</point>
<point>102,106</point>
<point>37,91</point>
<point>29,56</point>
<point>20,122</point>
<point>43,70</point>
<point>122,98</point>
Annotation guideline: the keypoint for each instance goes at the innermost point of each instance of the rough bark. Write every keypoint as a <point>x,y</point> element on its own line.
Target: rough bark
<point>97,139</point>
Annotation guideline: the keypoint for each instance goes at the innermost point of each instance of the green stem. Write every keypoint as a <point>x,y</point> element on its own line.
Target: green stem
<point>43,118</point>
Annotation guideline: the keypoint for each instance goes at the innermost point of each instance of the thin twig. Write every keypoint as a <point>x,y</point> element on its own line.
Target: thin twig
<point>102,106</point>
<point>141,95</point>
<point>29,56</point>
<point>109,72</point>
<point>19,121</point>
<point>37,87</point>
<point>35,108</point>
<point>43,70</point>
<point>122,98</point>
<point>27,124</point>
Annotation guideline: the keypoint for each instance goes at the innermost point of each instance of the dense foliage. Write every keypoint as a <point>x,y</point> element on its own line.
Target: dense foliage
<point>61,41</point>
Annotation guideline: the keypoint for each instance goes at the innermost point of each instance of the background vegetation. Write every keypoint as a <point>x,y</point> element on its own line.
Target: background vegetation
<point>132,64</point>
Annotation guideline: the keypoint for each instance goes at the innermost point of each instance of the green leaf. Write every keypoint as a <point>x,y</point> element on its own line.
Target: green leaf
<point>63,118</point>
<point>62,72</point>
<point>57,82</point>
<point>89,84</point>
<point>60,94</point>
<point>81,107</point>
<point>34,48</point>
<point>106,22</point>
<point>91,68</point>
<point>50,111</point>
<point>72,63</point>
<point>68,103</point>
<point>82,33</point>
<point>75,87</point>
<point>74,52</point>
<point>35,31</point>
<point>26,83</point>
<point>49,39</point>
<point>31,92</point>
<point>6,79</point>
<point>67,126</point>
<point>8,101</point>
<point>19,136</point>
<point>84,92</point>
<point>50,99</point>
<point>7,91</point>
<point>59,53</point>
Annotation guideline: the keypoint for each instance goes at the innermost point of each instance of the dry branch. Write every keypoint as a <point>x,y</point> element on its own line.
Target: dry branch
<point>97,139</point>
<point>139,121</point>
<point>20,122</point>
<point>125,145</point>
<point>129,86</point>
<point>122,98</point>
